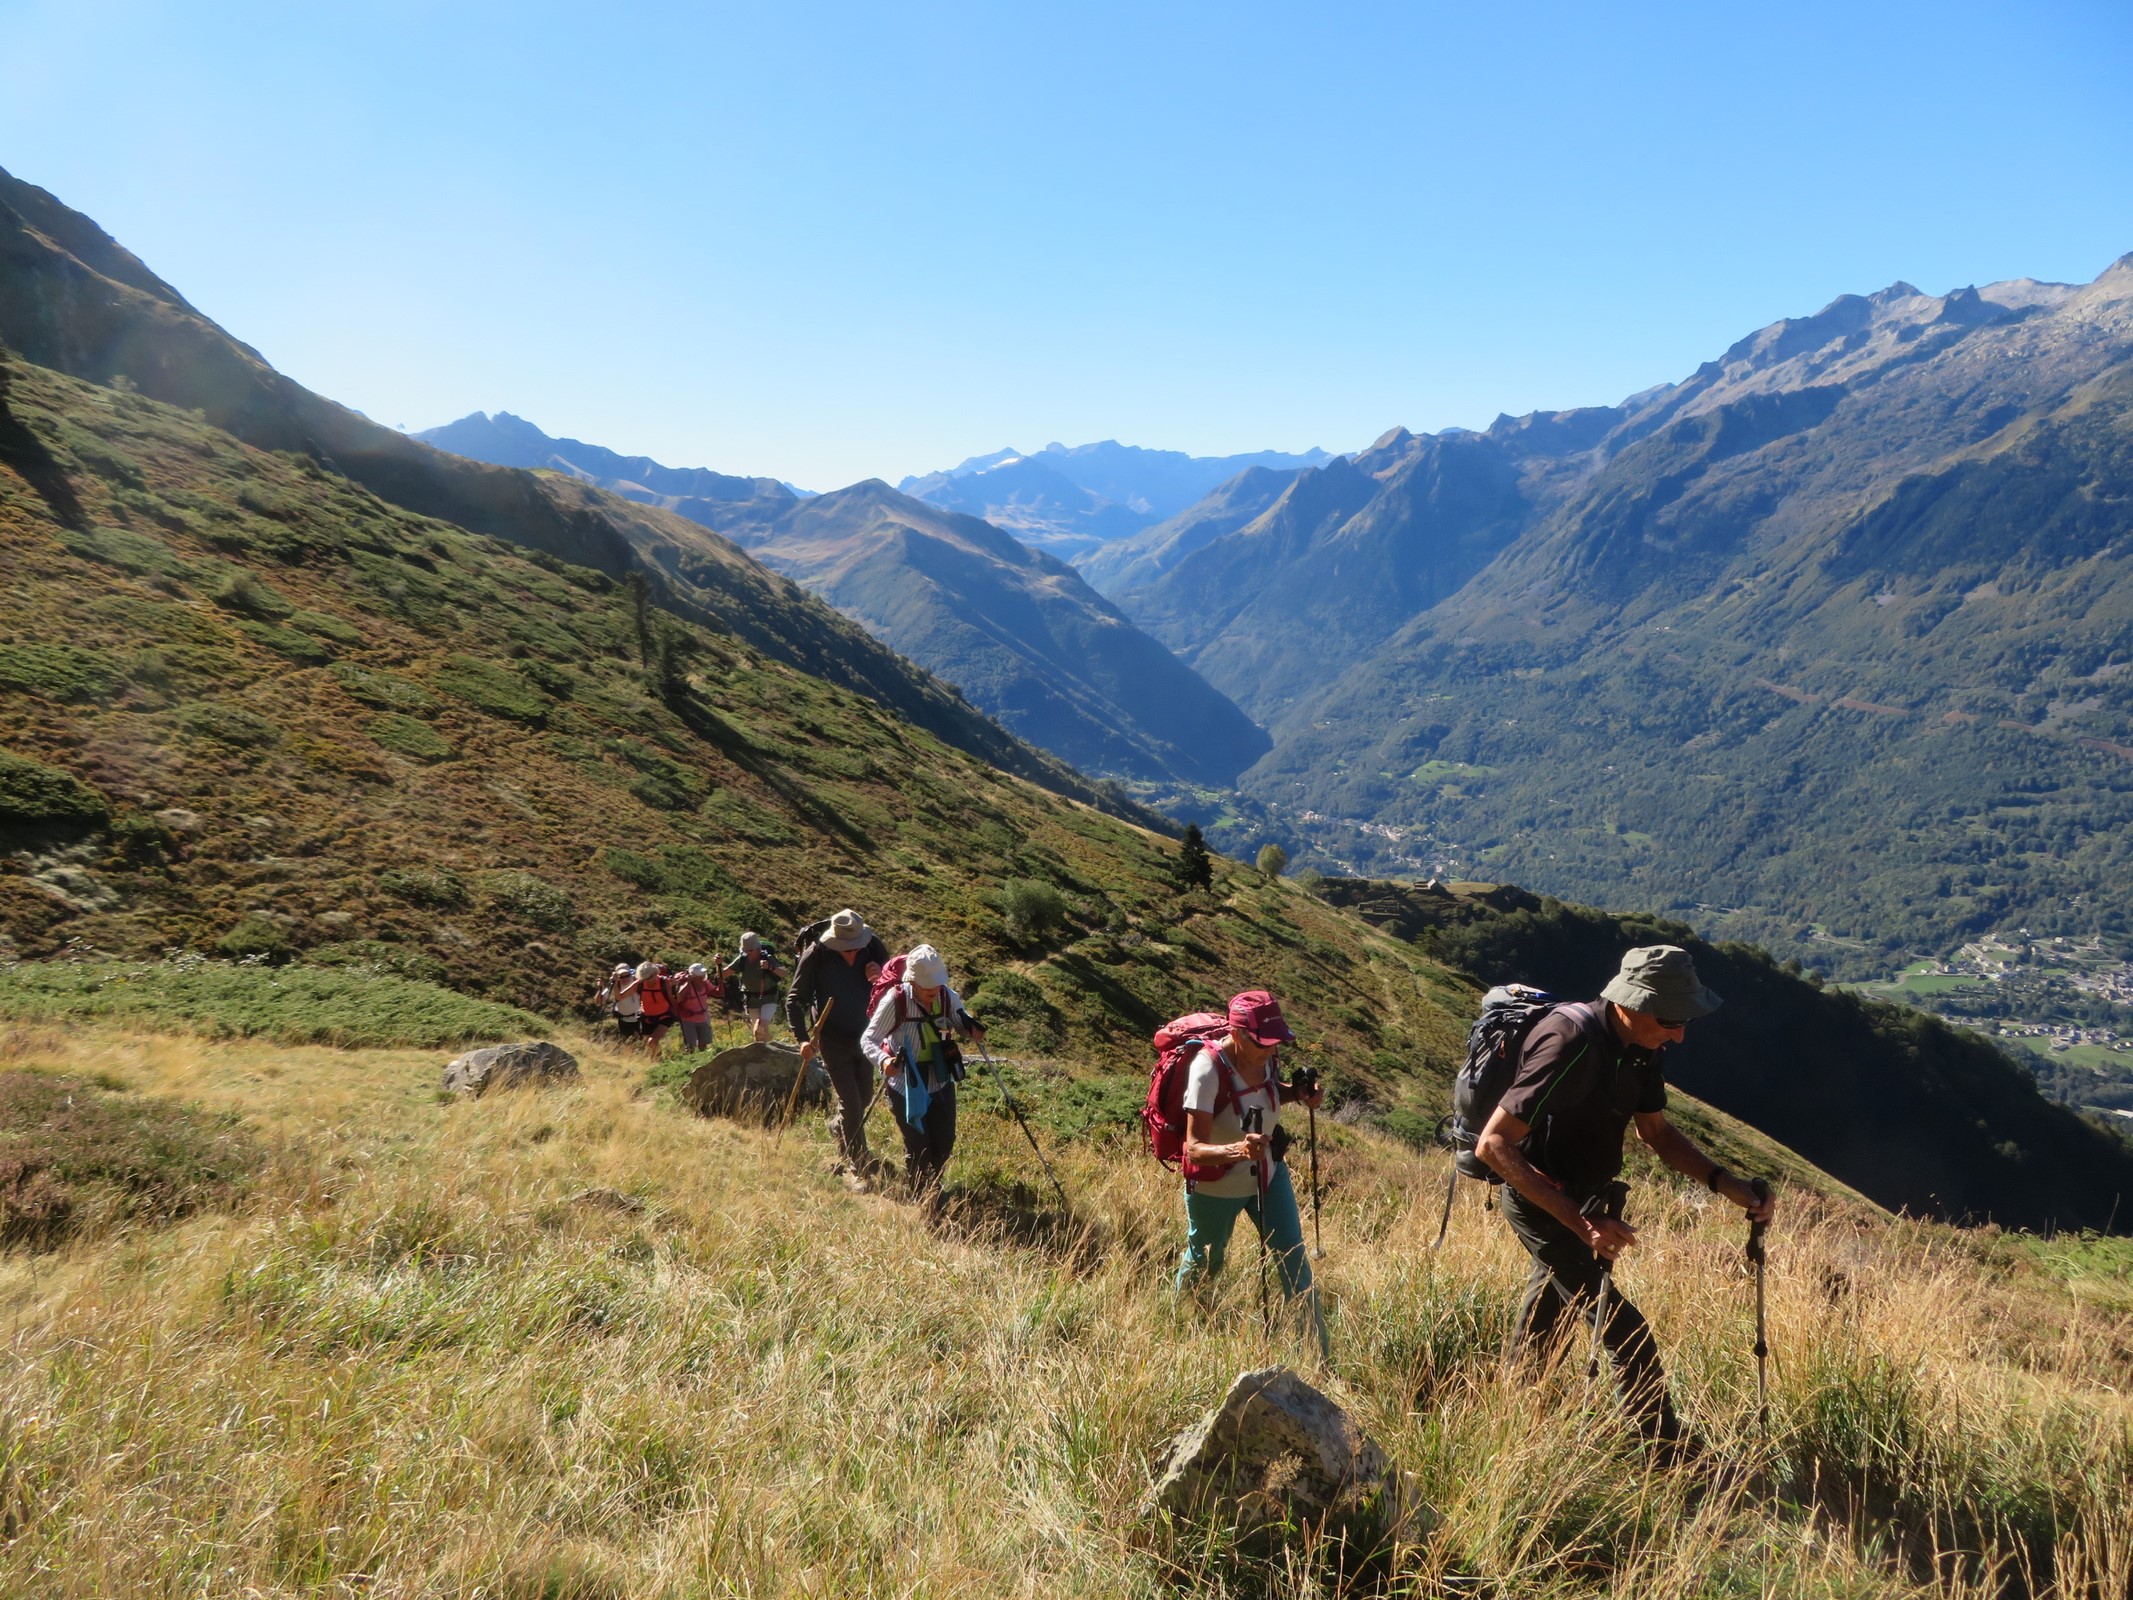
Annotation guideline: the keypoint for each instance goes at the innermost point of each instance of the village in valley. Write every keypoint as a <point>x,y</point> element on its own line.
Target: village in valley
<point>2063,1006</point>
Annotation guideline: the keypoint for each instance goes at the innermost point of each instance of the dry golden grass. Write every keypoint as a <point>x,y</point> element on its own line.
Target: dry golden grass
<point>415,1365</point>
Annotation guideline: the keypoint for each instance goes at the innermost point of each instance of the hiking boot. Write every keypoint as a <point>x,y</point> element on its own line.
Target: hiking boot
<point>858,1183</point>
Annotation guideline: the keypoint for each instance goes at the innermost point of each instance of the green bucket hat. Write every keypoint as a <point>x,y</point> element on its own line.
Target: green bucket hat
<point>1661,979</point>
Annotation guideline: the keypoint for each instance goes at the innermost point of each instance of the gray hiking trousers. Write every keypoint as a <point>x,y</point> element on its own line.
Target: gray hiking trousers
<point>851,1077</point>
<point>1565,1280</point>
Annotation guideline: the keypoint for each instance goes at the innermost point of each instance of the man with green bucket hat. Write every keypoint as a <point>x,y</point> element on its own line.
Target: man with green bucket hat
<point>1586,1072</point>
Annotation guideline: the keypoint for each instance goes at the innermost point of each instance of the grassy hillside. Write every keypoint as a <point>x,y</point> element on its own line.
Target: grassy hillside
<point>574,1342</point>
<point>74,300</point>
<point>252,708</point>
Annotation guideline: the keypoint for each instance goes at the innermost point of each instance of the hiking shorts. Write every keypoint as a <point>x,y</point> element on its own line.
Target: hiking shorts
<point>696,1035</point>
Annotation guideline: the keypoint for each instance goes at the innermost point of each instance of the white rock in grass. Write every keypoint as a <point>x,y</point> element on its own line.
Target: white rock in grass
<point>754,1080</point>
<point>1278,1453</point>
<point>503,1066</point>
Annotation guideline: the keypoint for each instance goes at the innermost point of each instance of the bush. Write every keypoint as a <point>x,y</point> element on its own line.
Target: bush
<point>531,899</point>
<point>303,1004</point>
<point>298,647</point>
<point>126,550</point>
<point>73,1155</point>
<point>1018,1010</point>
<point>402,961</point>
<point>387,691</point>
<point>247,592</point>
<point>231,725</point>
<point>31,793</point>
<point>54,672</point>
<point>255,936</point>
<point>441,889</point>
<point>490,688</point>
<point>1030,911</point>
<point>1273,860</point>
<point>408,736</point>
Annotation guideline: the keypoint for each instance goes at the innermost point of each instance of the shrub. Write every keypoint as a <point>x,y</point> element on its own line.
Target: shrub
<point>402,961</point>
<point>31,793</point>
<point>247,592</point>
<point>300,647</point>
<point>231,725</point>
<point>408,736</point>
<point>490,688</point>
<point>73,1155</point>
<point>128,551</point>
<point>441,889</point>
<point>1030,911</point>
<point>255,936</point>
<point>303,1004</point>
<point>326,626</point>
<point>387,691</point>
<point>55,672</point>
<point>531,899</point>
<point>1273,860</point>
<point>1015,1006</point>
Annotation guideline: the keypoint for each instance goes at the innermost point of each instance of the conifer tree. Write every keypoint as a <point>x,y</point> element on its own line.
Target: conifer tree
<point>1195,868</point>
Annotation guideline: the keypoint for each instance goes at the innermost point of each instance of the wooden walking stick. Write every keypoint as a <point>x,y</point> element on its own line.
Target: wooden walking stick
<point>792,1101</point>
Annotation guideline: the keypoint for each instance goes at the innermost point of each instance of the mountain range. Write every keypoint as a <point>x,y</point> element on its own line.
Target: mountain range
<point>1827,644</point>
<point>1013,628</point>
<point>1073,501</point>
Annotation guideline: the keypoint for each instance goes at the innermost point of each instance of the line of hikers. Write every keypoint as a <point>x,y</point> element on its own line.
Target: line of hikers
<point>1542,1106</point>
<point>649,1000</point>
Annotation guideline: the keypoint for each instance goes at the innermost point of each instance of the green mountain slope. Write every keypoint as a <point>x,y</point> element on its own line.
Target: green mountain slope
<point>1841,667</point>
<point>73,299</point>
<point>1016,630</point>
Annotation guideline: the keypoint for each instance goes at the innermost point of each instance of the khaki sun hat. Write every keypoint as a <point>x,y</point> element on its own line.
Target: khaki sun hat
<point>1661,980</point>
<point>848,930</point>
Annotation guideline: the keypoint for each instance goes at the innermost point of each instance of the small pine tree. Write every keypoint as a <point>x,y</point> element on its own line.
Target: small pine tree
<point>1273,860</point>
<point>1195,867</point>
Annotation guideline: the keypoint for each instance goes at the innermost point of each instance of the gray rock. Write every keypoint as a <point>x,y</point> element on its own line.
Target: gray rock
<point>1278,1453</point>
<point>503,1066</point>
<point>753,1081</point>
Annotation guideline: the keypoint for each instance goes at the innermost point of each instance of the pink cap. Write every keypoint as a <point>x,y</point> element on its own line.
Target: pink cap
<point>1257,1015</point>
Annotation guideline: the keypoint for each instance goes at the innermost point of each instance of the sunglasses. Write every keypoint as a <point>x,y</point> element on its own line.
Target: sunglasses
<point>1672,1026</point>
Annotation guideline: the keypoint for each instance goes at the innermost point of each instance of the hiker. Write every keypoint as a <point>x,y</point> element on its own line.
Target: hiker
<point>692,1007</point>
<point>619,996</point>
<point>654,996</point>
<point>1585,1074</point>
<point>1233,1122</point>
<point>840,966</point>
<point>911,1037</point>
<point>756,971</point>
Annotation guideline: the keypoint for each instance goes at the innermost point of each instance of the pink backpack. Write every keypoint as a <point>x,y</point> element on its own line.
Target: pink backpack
<point>1163,1117</point>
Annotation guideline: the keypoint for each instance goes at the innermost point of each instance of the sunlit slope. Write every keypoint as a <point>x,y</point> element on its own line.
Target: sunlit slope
<point>574,1342</point>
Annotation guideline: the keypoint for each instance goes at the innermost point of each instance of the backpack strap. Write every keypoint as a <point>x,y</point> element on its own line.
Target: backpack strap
<point>1589,1025</point>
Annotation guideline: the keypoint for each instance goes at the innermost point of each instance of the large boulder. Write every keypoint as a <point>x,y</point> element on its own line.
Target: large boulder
<point>503,1066</point>
<point>1278,1453</point>
<point>754,1081</point>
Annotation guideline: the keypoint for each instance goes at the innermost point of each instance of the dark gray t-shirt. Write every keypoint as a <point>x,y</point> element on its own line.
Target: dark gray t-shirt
<point>1577,1087</point>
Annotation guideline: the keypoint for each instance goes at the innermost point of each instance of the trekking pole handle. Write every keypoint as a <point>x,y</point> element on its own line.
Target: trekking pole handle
<point>1760,1188</point>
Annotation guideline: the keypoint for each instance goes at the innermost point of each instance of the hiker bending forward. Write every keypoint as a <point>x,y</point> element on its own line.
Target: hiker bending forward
<point>1588,1071</point>
<point>840,967</point>
<point>1232,1110</point>
<point>911,1038</point>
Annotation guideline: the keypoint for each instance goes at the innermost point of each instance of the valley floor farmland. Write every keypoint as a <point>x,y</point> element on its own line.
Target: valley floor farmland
<point>575,1342</point>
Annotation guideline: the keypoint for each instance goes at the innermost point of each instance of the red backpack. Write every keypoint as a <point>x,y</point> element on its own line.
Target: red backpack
<point>1163,1117</point>
<point>891,976</point>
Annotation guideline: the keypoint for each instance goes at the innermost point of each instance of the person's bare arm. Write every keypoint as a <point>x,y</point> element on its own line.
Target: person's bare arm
<point>1201,1152</point>
<point>1498,1146</point>
<point>1679,1151</point>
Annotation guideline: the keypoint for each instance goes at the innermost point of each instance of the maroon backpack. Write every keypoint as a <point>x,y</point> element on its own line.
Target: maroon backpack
<point>1163,1117</point>
<point>891,976</point>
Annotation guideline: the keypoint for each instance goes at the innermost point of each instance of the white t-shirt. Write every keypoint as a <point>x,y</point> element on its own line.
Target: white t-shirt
<point>1201,1091</point>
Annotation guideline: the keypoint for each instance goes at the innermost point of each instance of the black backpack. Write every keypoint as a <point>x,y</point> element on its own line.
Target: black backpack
<point>1509,1013</point>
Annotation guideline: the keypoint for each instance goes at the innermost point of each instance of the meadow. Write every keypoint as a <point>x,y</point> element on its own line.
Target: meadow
<point>576,1342</point>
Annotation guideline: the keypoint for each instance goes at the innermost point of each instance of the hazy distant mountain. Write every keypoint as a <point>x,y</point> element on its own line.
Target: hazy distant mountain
<point>510,441</point>
<point>1830,640</point>
<point>1139,559</point>
<point>1016,630</point>
<point>1072,501</point>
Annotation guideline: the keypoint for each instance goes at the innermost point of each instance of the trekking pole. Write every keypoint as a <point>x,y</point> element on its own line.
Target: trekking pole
<point>1761,1187</point>
<point>1606,1204</point>
<point>792,1101</point>
<point>1318,1243</point>
<point>1254,1124</point>
<point>1001,1083</point>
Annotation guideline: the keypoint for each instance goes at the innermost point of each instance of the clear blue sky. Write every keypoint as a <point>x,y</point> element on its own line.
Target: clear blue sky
<point>831,241</point>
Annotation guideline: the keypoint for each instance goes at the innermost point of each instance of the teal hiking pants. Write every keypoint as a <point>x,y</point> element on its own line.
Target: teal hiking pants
<point>1209,1221</point>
